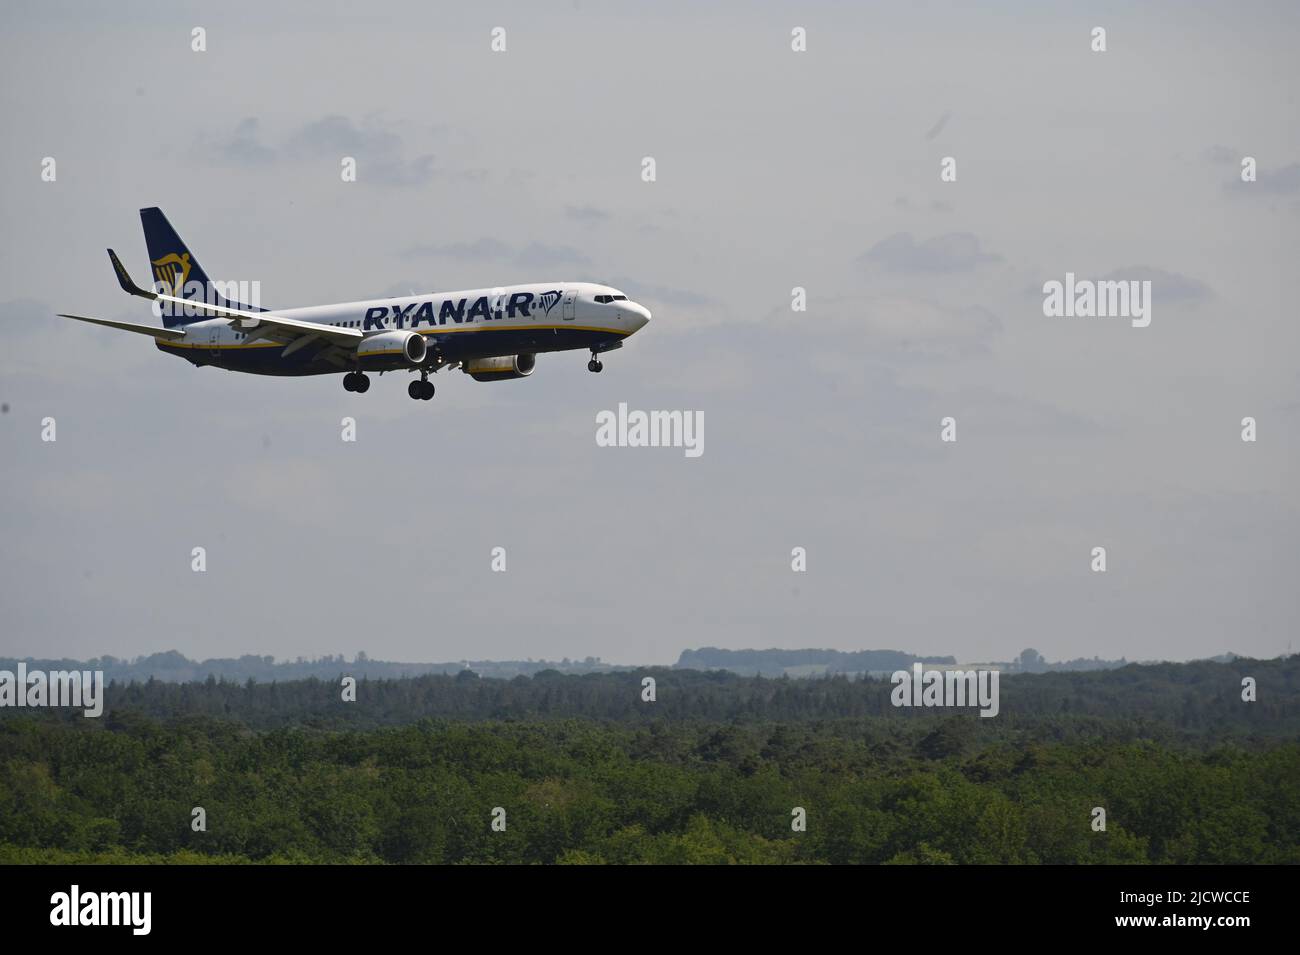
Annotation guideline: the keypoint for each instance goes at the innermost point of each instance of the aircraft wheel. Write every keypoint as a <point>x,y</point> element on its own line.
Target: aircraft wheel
<point>427,391</point>
<point>594,366</point>
<point>416,389</point>
<point>361,384</point>
<point>349,382</point>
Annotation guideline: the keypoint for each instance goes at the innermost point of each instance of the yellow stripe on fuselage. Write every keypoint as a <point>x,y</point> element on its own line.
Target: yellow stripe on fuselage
<point>518,328</point>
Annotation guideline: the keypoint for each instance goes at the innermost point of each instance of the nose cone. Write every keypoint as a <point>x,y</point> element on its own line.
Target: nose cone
<point>638,315</point>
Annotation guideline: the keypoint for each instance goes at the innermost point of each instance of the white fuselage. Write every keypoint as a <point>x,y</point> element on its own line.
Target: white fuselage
<point>457,326</point>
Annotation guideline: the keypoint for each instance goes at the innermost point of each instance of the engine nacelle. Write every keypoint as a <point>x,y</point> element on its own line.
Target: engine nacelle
<point>501,369</point>
<point>395,349</point>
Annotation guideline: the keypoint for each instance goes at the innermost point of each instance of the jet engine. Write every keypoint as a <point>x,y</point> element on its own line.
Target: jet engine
<point>501,369</point>
<point>394,349</point>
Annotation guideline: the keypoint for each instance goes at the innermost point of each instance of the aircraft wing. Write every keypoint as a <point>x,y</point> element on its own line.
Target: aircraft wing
<point>266,325</point>
<point>270,326</point>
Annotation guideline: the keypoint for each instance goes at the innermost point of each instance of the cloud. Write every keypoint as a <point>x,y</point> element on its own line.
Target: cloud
<point>487,249</point>
<point>480,249</point>
<point>1271,182</point>
<point>1277,181</point>
<point>659,294</point>
<point>539,255</point>
<point>586,214</point>
<point>950,252</point>
<point>937,128</point>
<point>918,327</point>
<point>927,323</point>
<point>242,147</point>
<point>409,287</point>
<point>1221,154</point>
<point>378,149</point>
<point>1169,287</point>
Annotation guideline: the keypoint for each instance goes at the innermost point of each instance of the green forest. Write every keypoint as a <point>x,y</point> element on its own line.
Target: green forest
<point>580,769</point>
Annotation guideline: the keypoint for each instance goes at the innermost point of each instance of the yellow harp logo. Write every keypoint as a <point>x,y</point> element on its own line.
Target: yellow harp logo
<point>172,271</point>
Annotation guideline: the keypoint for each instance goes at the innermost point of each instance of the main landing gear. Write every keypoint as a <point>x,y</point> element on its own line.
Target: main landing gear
<point>421,390</point>
<point>356,381</point>
<point>594,365</point>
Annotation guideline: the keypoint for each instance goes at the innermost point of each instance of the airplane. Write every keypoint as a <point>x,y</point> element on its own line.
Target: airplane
<point>490,334</point>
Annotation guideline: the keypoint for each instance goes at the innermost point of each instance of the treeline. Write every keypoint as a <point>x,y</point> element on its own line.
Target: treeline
<point>775,662</point>
<point>1191,701</point>
<point>174,667</point>
<point>808,662</point>
<point>870,791</point>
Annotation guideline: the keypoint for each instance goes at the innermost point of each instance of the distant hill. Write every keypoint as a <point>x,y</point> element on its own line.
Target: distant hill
<point>812,662</point>
<point>797,663</point>
<point>175,667</point>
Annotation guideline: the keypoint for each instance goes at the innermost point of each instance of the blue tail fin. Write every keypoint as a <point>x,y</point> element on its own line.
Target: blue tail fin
<point>177,272</point>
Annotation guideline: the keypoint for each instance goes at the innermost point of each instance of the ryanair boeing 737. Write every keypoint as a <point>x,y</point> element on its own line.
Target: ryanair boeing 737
<point>490,334</point>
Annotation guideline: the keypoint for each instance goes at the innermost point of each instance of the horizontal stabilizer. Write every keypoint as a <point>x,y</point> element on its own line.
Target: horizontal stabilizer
<point>165,334</point>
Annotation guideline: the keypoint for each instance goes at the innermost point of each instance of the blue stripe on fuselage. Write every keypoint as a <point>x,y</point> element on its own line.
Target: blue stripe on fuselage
<point>452,346</point>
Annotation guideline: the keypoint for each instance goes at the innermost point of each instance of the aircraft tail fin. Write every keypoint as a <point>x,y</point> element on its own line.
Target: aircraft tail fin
<point>177,272</point>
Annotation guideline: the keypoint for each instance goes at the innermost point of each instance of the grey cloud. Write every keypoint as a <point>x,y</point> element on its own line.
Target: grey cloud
<point>487,249</point>
<point>937,128</point>
<point>586,214</point>
<point>540,255</point>
<point>950,252</point>
<point>902,327</point>
<point>663,295</point>
<point>242,147</point>
<point>1270,182</point>
<point>338,134</point>
<point>1166,286</point>
<point>379,150</point>
<point>481,249</point>
<point>1220,154</point>
<point>411,287</point>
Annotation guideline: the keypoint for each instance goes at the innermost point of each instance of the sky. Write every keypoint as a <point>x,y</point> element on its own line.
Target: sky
<point>774,169</point>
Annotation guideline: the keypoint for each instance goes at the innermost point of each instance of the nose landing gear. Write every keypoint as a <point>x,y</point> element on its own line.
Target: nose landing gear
<point>594,365</point>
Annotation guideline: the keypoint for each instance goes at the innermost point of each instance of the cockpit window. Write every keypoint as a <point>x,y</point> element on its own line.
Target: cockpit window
<point>606,299</point>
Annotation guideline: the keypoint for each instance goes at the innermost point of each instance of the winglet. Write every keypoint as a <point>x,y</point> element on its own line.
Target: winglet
<point>125,280</point>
